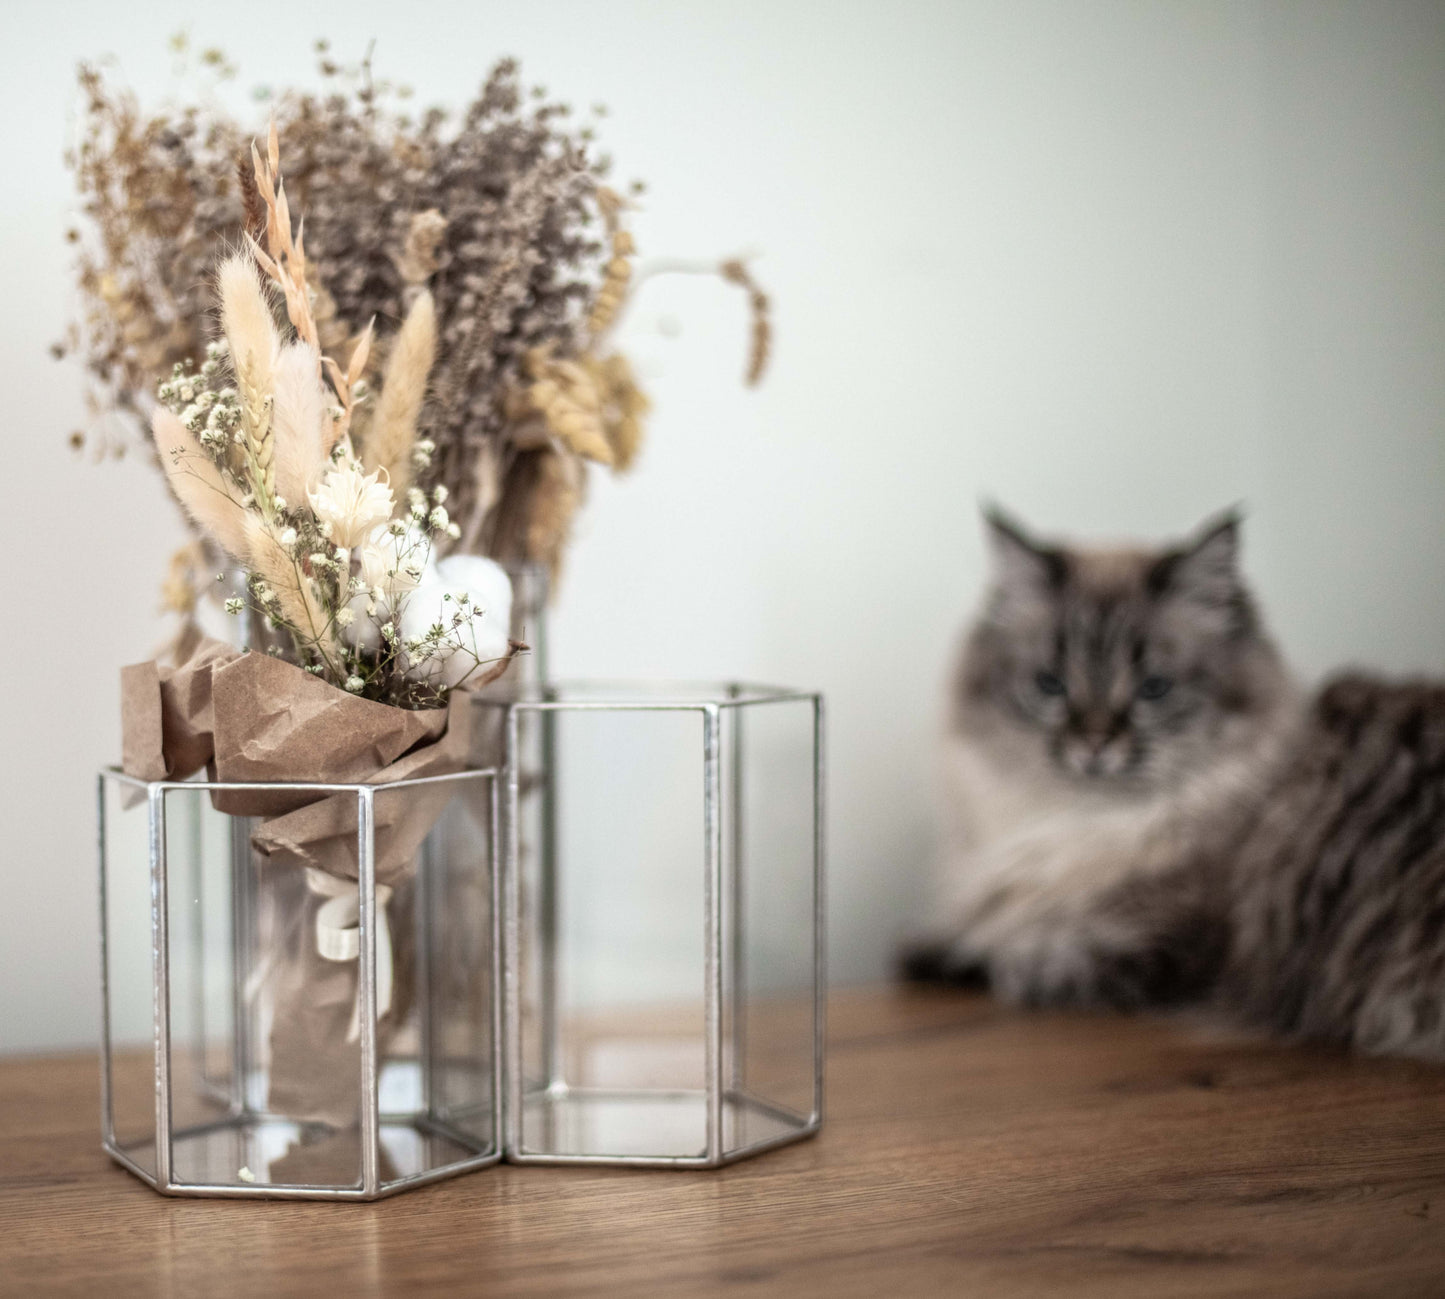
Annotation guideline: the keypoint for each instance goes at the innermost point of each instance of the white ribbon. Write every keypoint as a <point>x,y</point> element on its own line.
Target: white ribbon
<point>338,935</point>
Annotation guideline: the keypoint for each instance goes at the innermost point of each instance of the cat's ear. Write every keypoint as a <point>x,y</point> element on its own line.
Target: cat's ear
<point>1018,559</point>
<point>1205,569</point>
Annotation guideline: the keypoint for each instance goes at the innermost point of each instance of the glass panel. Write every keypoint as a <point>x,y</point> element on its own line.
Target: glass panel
<point>265,1054</point>
<point>437,1040</point>
<point>205,1087</point>
<point>770,921</point>
<point>612,948</point>
<point>126,898</point>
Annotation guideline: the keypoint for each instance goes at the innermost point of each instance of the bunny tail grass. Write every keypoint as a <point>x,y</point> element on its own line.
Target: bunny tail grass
<point>254,343</point>
<point>393,429</point>
<point>198,485</point>
<point>299,421</point>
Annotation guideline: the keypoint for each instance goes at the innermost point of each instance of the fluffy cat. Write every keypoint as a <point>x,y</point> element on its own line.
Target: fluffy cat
<point>1141,806</point>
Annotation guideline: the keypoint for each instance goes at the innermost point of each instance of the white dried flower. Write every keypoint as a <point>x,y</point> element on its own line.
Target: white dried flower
<point>234,605</point>
<point>344,617</point>
<point>355,684</point>
<point>439,518</point>
<point>279,502</point>
<point>439,494</point>
<point>393,562</point>
<point>352,503</point>
<point>288,537</point>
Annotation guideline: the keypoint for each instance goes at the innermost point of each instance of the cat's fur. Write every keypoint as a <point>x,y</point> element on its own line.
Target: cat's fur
<point>1141,807</point>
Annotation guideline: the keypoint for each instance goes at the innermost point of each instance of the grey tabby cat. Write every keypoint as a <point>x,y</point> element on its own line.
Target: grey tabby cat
<point>1143,808</point>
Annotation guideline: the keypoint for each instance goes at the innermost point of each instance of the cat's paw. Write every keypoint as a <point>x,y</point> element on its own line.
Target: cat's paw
<point>942,962</point>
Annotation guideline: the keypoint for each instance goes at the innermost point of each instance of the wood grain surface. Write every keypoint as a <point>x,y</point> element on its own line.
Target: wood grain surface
<point>968,1150</point>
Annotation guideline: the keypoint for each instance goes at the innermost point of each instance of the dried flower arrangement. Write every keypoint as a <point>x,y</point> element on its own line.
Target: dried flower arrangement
<point>258,446</point>
<point>499,217</point>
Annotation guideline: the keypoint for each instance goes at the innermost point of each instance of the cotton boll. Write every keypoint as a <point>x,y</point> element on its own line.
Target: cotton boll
<point>486,581</point>
<point>483,633</point>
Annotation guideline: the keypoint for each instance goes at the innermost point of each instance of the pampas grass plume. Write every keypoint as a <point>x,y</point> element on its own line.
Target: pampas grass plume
<point>299,421</point>
<point>393,428</point>
<point>246,318</point>
<point>198,485</point>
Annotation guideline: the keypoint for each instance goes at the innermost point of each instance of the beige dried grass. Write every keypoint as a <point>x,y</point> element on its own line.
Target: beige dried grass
<point>283,260</point>
<point>556,498</point>
<point>736,272</point>
<point>181,589</point>
<point>199,486</point>
<point>624,406</point>
<point>417,260</point>
<point>254,344</point>
<point>615,279</point>
<point>562,402</point>
<point>298,420</point>
<point>298,602</point>
<point>391,436</point>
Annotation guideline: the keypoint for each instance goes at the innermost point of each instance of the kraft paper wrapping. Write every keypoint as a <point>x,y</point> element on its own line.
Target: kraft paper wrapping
<point>252,718</point>
<point>249,717</point>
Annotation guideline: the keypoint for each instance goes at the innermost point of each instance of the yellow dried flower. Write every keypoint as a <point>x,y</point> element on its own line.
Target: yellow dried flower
<point>565,400</point>
<point>179,591</point>
<point>623,406</point>
<point>762,332</point>
<point>615,279</point>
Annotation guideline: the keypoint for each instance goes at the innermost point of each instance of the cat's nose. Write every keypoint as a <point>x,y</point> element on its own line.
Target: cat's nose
<point>1096,750</point>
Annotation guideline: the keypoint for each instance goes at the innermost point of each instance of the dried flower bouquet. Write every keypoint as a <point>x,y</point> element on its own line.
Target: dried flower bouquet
<point>499,215</point>
<point>257,445</point>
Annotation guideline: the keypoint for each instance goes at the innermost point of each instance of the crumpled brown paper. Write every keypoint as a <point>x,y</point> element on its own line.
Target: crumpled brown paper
<point>249,717</point>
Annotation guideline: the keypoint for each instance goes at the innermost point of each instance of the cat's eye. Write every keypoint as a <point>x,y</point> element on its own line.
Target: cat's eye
<point>1048,684</point>
<point>1155,687</point>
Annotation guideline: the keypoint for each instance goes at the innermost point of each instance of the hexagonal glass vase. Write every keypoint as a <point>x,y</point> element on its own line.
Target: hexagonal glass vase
<point>275,1029</point>
<point>663,922</point>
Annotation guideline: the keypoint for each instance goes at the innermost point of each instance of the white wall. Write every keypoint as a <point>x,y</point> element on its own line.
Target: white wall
<point>1116,264</point>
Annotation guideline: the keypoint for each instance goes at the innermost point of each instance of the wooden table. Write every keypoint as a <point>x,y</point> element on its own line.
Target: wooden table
<point>968,1150</point>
